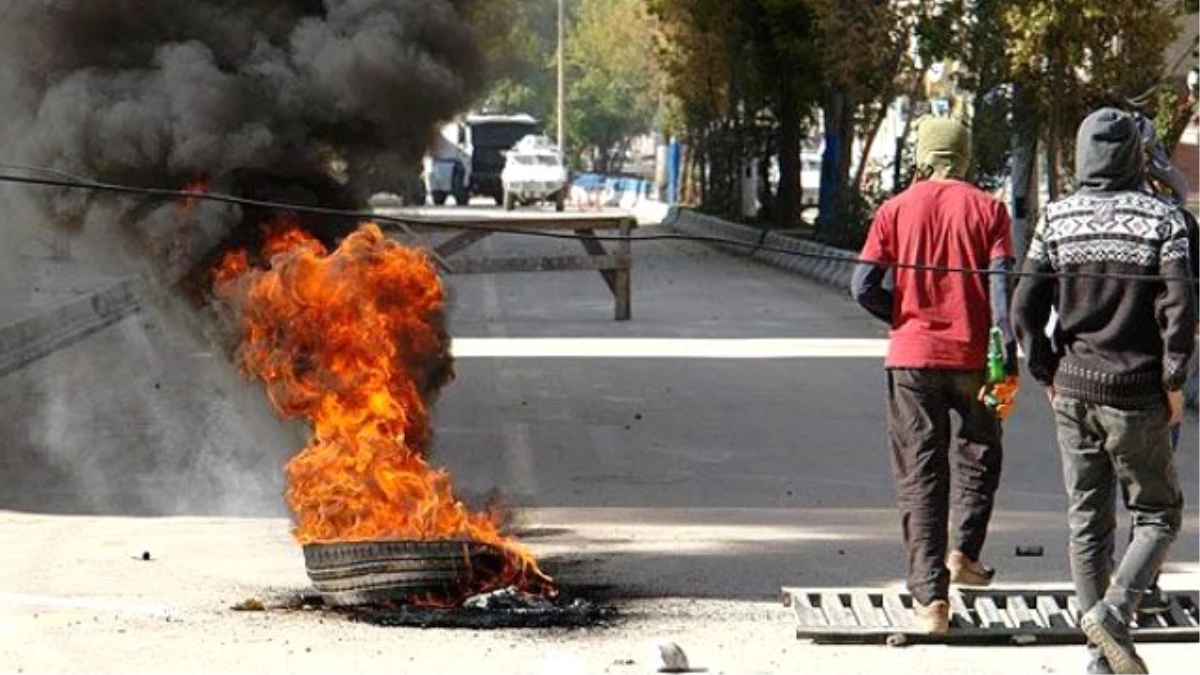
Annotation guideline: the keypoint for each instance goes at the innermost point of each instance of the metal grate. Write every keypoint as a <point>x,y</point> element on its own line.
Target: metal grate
<point>1012,615</point>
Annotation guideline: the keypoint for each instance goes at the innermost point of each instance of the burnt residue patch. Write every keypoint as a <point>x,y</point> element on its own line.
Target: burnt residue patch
<point>503,609</point>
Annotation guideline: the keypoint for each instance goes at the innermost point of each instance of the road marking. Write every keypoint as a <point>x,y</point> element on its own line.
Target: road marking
<point>522,474</point>
<point>31,600</point>
<point>670,348</point>
<point>491,305</point>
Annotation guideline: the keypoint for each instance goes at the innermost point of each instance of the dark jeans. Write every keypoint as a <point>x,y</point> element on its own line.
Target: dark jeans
<point>935,472</point>
<point>1102,448</point>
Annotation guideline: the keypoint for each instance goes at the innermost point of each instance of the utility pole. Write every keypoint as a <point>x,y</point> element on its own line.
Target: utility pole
<point>562,23</point>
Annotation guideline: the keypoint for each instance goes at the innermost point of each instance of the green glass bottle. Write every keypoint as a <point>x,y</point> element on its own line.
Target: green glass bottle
<point>995,363</point>
<point>995,356</point>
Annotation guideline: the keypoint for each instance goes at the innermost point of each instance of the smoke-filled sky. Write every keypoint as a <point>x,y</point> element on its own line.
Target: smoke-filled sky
<point>167,92</point>
<point>254,96</point>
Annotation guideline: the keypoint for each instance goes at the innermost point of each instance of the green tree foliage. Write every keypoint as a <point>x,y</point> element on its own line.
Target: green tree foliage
<point>743,81</point>
<point>966,37</point>
<point>520,40</point>
<point>697,53</point>
<point>1046,62</point>
<point>862,47</point>
<point>1072,55</point>
<point>613,81</point>
<point>783,34</point>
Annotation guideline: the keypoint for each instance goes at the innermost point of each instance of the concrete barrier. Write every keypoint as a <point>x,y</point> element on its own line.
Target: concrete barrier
<point>28,340</point>
<point>825,264</point>
<point>592,190</point>
<point>834,273</point>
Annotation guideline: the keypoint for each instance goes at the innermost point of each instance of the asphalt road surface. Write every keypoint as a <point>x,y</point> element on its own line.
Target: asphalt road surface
<point>683,466</point>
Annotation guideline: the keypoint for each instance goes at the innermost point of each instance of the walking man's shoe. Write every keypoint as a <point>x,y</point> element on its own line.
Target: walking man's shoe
<point>1154,601</point>
<point>967,572</point>
<point>1099,666</point>
<point>932,618</point>
<point>1105,629</point>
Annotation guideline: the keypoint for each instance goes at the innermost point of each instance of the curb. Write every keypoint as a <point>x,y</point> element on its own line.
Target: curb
<point>833,273</point>
<point>26,341</point>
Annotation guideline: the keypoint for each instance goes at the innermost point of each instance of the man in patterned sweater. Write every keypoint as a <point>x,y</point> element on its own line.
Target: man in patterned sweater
<point>1114,369</point>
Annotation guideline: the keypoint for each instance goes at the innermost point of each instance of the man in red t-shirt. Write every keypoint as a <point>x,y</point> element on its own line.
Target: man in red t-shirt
<point>941,318</point>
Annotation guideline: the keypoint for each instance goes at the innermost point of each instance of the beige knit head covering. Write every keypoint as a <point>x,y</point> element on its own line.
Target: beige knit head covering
<point>943,148</point>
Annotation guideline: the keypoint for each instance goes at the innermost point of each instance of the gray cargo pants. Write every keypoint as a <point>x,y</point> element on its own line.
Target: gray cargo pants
<point>1102,448</point>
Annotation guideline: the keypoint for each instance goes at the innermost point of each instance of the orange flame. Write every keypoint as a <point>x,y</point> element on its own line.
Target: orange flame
<point>352,341</point>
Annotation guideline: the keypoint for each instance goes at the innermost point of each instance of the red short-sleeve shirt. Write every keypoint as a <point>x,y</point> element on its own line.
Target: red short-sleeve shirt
<point>939,320</point>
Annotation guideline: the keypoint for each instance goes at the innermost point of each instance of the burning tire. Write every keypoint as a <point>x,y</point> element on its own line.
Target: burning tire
<point>363,573</point>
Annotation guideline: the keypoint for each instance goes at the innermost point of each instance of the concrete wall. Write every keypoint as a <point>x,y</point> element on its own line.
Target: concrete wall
<point>110,405</point>
<point>824,264</point>
<point>829,272</point>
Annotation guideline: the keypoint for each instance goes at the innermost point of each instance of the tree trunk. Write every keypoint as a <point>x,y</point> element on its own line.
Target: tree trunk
<point>848,133</point>
<point>835,163</point>
<point>829,158</point>
<point>765,197</point>
<point>872,132</point>
<point>787,203</point>
<point>1023,186</point>
<point>1054,134</point>
<point>914,91</point>
<point>1051,159</point>
<point>686,152</point>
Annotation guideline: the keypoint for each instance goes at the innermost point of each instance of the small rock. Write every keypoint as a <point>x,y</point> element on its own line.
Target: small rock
<point>672,658</point>
<point>250,605</point>
<point>145,555</point>
<point>638,416</point>
<point>841,551</point>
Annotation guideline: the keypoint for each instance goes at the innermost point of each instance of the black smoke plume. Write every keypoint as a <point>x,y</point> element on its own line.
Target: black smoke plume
<point>320,102</point>
<point>317,101</point>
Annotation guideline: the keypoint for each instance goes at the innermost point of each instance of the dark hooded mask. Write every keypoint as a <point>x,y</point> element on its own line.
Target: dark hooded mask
<point>1108,152</point>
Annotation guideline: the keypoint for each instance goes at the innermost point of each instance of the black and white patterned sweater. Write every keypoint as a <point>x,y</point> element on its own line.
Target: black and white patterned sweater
<point>1119,341</point>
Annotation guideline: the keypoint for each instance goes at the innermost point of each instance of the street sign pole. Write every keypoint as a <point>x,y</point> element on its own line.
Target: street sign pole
<point>562,146</point>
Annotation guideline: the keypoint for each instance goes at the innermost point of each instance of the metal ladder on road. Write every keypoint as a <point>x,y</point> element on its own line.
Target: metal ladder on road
<point>983,616</point>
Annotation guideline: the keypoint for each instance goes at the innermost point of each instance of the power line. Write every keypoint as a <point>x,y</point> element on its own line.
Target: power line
<point>61,179</point>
